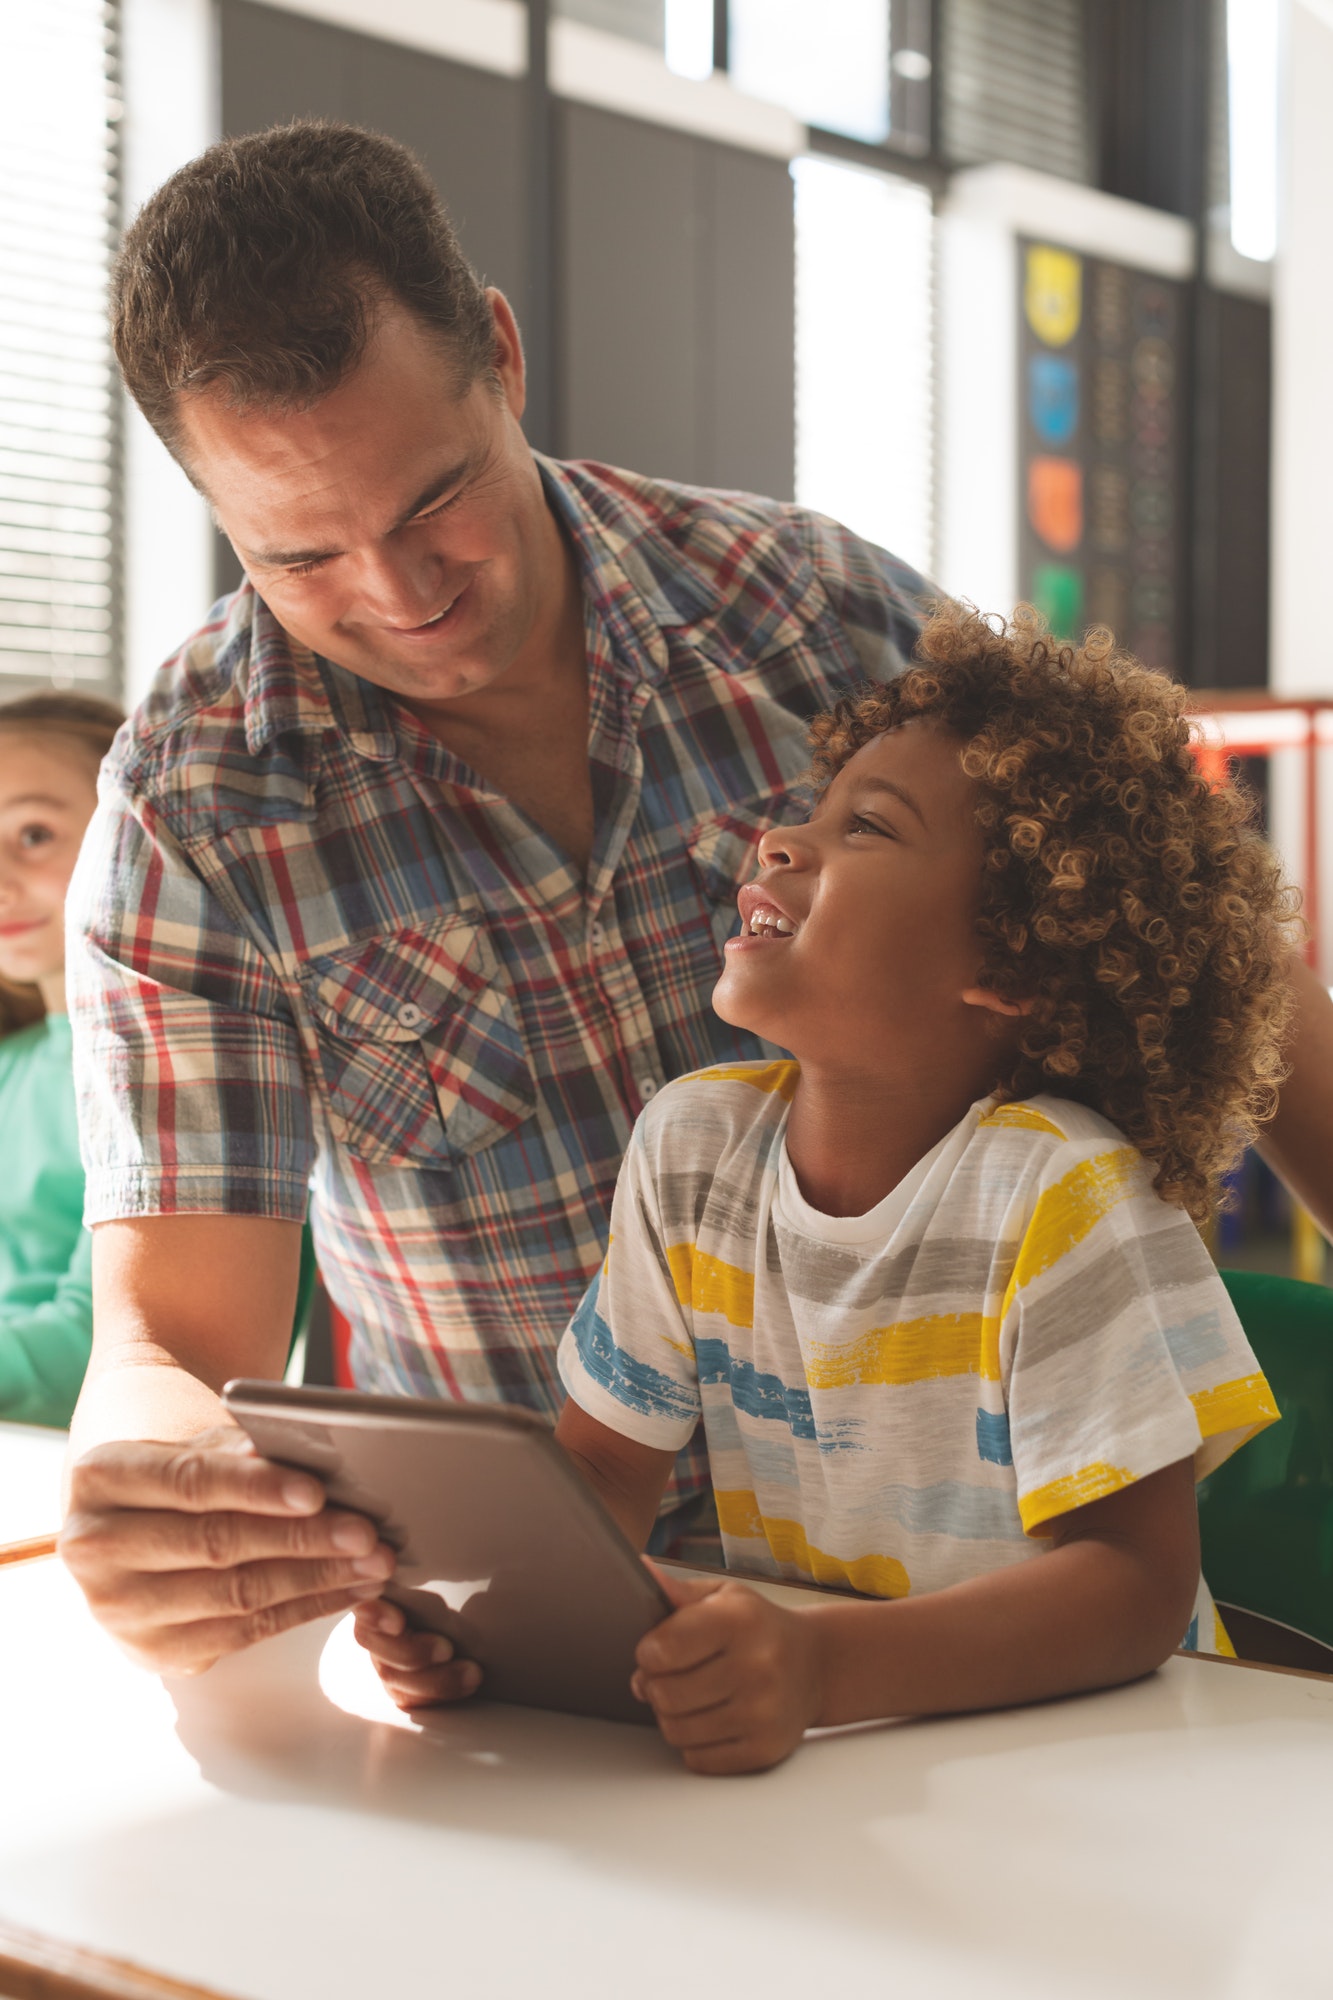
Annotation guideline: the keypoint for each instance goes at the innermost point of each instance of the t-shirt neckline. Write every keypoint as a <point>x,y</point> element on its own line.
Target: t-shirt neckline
<point>880,1222</point>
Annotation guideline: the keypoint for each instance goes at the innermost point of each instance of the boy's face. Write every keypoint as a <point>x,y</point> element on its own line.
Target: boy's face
<point>862,923</point>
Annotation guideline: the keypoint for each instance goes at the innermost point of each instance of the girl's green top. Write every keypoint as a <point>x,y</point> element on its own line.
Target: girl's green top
<point>46,1300</point>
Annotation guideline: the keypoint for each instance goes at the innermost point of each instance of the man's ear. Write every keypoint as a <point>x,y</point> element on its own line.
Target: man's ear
<point>981,996</point>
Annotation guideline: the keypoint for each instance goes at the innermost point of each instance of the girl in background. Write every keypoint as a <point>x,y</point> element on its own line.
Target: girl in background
<point>50,747</point>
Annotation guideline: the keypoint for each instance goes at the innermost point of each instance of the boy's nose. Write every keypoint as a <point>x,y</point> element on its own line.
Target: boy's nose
<point>782,847</point>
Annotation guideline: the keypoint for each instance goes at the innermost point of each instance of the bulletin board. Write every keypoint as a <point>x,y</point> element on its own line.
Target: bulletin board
<point>1101,460</point>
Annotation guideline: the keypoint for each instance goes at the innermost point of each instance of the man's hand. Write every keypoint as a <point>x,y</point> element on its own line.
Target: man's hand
<point>189,1551</point>
<point>734,1680</point>
<point>418,1669</point>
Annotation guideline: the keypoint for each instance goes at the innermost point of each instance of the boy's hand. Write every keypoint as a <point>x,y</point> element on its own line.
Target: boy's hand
<point>734,1680</point>
<point>418,1669</point>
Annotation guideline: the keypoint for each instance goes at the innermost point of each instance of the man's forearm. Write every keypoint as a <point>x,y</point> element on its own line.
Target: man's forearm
<point>141,1393</point>
<point>1298,1143</point>
<point>181,1303</point>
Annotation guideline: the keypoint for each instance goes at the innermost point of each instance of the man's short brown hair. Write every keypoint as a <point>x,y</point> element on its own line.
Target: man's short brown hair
<point>259,267</point>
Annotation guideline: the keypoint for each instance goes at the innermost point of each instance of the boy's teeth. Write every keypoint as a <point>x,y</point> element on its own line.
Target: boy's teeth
<point>768,921</point>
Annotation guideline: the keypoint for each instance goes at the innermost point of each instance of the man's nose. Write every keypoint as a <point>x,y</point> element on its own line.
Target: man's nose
<point>401,586</point>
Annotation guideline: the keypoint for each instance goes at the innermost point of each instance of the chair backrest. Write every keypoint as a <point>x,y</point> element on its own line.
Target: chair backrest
<point>1266,1516</point>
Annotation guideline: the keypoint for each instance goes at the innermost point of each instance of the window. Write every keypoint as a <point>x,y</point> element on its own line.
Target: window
<point>829,64</point>
<point>57,395</point>
<point>1252,29</point>
<point>864,380</point>
<point>636,20</point>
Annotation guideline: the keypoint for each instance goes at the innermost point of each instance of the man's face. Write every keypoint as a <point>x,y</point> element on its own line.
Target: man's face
<point>399,526</point>
<point>862,923</point>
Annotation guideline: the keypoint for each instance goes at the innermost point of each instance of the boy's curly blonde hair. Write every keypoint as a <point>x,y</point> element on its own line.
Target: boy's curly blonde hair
<point>1134,907</point>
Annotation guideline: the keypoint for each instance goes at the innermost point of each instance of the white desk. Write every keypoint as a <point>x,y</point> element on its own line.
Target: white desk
<point>30,1466</point>
<point>241,1832</point>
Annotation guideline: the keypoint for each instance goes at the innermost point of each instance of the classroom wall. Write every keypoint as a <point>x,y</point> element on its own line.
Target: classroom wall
<point>1302,650</point>
<point>674,253</point>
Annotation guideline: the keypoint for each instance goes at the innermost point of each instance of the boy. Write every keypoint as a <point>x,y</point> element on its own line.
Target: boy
<point>934,1286</point>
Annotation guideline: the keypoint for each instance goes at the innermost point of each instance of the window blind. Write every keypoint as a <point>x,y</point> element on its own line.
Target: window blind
<point>58,400</point>
<point>1013,84</point>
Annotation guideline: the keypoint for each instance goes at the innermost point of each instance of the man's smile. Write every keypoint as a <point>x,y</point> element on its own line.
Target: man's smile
<point>431,627</point>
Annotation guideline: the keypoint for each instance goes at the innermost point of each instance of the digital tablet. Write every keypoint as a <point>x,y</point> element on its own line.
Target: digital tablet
<point>502,1546</point>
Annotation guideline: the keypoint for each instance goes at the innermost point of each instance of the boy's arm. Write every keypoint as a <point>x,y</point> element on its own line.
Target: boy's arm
<point>735,1680</point>
<point>418,1668</point>
<point>628,1478</point>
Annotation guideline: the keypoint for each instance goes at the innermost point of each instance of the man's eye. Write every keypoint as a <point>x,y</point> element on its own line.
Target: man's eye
<point>440,507</point>
<point>303,569</point>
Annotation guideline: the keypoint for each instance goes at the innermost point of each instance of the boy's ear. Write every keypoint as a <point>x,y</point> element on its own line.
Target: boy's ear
<point>981,996</point>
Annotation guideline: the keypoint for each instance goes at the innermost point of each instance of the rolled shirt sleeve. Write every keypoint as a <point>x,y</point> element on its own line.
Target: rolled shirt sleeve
<point>187,1062</point>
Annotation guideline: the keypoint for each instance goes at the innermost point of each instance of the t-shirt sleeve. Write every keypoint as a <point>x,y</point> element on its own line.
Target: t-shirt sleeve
<point>627,1356</point>
<point>1121,1352</point>
<point>187,1063</point>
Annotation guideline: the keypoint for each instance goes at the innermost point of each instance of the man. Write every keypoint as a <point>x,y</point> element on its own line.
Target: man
<point>411,876</point>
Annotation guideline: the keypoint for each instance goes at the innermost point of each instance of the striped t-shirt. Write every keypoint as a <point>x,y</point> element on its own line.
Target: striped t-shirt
<point>899,1401</point>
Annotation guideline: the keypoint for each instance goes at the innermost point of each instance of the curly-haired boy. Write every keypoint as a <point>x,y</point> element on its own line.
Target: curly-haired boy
<point>934,1287</point>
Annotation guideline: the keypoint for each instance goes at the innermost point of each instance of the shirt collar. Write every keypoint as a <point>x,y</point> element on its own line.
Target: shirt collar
<point>638,582</point>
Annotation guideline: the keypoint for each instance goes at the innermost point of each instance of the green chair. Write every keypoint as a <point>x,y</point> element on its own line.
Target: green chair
<point>1266,1516</point>
<point>305,1292</point>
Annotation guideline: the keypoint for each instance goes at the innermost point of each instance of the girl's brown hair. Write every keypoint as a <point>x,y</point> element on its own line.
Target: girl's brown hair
<point>77,718</point>
<point>1133,908</point>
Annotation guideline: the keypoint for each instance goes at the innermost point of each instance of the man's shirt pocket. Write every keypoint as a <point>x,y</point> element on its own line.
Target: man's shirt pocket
<point>419,1043</point>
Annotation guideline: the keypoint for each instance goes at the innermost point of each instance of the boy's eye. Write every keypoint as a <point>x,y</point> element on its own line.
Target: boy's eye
<point>858,823</point>
<point>35,835</point>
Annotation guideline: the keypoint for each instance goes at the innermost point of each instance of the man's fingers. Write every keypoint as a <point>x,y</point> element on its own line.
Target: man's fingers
<point>144,1539</point>
<point>218,1471</point>
<point>192,1649</point>
<point>192,1596</point>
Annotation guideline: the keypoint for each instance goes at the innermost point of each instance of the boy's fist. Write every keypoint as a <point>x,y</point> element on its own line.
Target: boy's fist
<point>417,1668</point>
<point>733,1679</point>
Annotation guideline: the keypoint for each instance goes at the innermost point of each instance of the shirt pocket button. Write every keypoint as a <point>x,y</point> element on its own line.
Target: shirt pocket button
<point>410,1015</point>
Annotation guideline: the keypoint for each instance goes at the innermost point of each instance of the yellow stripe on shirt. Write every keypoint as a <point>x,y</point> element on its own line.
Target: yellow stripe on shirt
<point>1072,1489</point>
<point>779,1077</point>
<point>706,1285</point>
<point>1065,1213</point>
<point>911,1350</point>
<point>1025,1116</point>
<point>739,1516</point>
<point>1245,1404</point>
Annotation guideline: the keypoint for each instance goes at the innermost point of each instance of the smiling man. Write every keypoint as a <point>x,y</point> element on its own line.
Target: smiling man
<point>412,874</point>
<point>411,877</point>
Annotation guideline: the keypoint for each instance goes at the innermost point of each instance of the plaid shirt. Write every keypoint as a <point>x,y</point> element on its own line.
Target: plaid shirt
<point>311,956</point>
